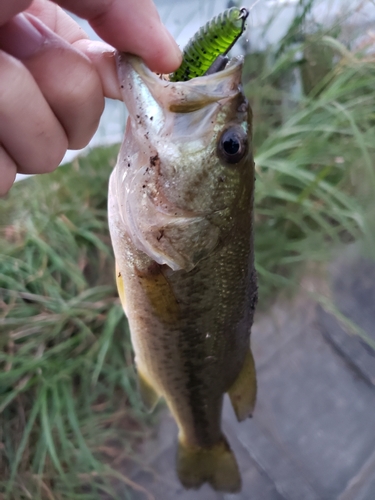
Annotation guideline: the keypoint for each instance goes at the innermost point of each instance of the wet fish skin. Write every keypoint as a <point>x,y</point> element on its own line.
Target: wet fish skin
<point>181,222</point>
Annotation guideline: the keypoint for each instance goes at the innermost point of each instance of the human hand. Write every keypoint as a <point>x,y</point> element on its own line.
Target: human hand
<point>53,79</point>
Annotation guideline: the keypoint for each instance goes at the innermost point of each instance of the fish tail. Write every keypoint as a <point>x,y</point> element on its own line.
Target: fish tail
<point>216,465</point>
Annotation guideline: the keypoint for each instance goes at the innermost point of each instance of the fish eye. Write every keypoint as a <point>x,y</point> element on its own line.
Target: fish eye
<point>232,145</point>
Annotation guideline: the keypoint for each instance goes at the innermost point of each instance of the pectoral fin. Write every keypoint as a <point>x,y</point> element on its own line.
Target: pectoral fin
<point>159,294</point>
<point>216,465</point>
<point>244,390</point>
<point>148,394</point>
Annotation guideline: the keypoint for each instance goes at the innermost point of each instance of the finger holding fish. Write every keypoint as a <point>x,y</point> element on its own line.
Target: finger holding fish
<point>10,9</point>
<point>29,131</point>
<point>56,79</point>
<point>133,27</point>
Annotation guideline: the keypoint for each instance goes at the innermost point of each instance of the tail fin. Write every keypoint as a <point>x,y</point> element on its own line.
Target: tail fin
<point>216,465</point>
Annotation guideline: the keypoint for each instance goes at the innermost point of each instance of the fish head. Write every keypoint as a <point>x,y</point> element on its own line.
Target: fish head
<point>185,169</point>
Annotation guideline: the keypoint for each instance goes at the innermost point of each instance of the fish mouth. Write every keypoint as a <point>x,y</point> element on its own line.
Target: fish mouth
<point>179,97</point>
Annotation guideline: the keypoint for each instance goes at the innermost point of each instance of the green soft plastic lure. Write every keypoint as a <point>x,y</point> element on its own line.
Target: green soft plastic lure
<point>213,40</point>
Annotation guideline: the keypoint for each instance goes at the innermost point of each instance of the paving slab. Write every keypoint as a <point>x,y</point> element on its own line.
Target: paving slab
<point>353,287</point>
<point>318,413</point>
<point>352,348</point>
<point>362,486</point>
<point>312,436</point>
<point>159,476</point>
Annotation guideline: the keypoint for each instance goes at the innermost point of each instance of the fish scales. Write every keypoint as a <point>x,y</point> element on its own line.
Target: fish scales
<point>180,215</point>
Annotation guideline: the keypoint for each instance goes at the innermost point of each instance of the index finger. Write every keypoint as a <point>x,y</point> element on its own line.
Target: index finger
<point>130,26</point>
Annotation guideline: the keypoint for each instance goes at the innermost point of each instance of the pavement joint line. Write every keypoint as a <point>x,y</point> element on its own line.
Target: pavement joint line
<point>356,483</point>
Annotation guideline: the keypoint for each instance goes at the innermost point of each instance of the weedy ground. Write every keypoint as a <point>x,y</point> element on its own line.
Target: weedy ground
<point>67,391</point>
<point>69,410</point>
<point>315,170</point>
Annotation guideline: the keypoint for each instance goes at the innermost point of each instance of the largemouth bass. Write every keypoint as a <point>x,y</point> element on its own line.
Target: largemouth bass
<point>181,223</point>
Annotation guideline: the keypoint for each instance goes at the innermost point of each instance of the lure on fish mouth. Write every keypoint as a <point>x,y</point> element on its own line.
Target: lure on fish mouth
<point>206,50</point>
<point>181,223</point>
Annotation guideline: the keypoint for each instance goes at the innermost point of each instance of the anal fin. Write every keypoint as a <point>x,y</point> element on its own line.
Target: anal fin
<point>149,395</point>
<point>244,389</point>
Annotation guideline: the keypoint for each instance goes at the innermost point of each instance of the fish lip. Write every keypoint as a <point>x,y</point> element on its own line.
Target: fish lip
<point>185,96</point>
<point>234,66</point>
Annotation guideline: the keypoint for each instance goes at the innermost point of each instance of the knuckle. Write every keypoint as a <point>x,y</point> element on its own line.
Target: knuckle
<point>81,105</point>
<point>29,130</point>
<point>51,158</point>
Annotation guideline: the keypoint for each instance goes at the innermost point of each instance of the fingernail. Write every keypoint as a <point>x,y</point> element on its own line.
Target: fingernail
<point>20,38</point>
<point>99,48</point>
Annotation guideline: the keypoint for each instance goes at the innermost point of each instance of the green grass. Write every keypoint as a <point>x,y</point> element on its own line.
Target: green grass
<point>67,382</point>
<point>314,161</point>
<point>70,414</point>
